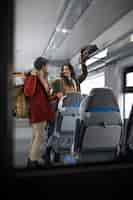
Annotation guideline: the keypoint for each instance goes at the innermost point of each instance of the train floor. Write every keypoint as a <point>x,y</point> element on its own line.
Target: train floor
<point>22,138</point>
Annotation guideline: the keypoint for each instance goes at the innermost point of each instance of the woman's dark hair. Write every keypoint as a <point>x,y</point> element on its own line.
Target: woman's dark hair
<point>70,68</point>
<point>73,76</point>
<point>39,62</point>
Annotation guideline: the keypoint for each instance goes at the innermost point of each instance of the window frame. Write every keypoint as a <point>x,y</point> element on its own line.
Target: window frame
<point>126,89</point>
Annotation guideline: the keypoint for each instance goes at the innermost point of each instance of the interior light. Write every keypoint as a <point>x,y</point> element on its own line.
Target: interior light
<point>70,13</point>
<point>102,54</point>
<point>131,38</point>
<point>65,31</point>
<point>51,43</point>
<point>62,30</point>
<point>97,57</point>
<point>90,61</point>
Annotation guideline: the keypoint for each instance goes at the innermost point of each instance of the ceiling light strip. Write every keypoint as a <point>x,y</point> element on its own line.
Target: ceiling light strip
<point>70,14</point>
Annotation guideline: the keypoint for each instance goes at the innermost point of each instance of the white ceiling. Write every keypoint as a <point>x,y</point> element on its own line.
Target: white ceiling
<point>118,29</point>
<point>36,21</point>
<point>98,17</point>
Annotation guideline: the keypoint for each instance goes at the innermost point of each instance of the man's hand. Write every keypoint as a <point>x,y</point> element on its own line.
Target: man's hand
<point>44,81</point>
<point>34,72</point>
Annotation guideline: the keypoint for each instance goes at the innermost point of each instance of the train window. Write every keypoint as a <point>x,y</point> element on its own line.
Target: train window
<point>128,91</point>
<point>128,104</point>
<point>129,79</point>
<point>94,81</point>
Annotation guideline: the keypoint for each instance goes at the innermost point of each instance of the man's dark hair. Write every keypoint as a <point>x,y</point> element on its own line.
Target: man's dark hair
<point>39,62</point>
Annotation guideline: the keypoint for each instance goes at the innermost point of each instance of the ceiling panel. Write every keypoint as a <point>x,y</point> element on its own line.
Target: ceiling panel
<point>98,17</point>
<point>120,28</point>
<point>35,21</point>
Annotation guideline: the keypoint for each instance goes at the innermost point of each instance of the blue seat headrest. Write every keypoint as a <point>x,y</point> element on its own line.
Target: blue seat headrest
<point>102,109</point>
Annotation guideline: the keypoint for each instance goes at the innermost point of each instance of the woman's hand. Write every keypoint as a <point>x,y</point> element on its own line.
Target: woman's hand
<point>82,60</point>
<point>59,94</point>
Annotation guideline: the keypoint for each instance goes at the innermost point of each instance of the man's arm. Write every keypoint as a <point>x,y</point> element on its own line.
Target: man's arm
<point>44,82</point>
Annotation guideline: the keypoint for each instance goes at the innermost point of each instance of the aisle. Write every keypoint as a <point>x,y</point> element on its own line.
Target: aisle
<point>22,138</point>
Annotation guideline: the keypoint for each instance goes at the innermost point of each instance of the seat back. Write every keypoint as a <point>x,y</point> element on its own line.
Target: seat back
<point>68,113</point>
<point>71,102</point>
<point>100,116</point>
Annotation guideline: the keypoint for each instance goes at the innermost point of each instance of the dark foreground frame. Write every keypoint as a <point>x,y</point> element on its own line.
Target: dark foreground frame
<point>91,173</point>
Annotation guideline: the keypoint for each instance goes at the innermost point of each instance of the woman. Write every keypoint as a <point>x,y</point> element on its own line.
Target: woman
<point>37,90</point>
<point>68,81</point>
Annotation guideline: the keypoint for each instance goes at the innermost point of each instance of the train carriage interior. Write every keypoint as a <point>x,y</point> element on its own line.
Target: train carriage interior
<point>95,124</point>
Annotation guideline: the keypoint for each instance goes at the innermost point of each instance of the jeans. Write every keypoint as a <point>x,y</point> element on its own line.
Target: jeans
<point>50,130</point>
<point>51,125</point>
